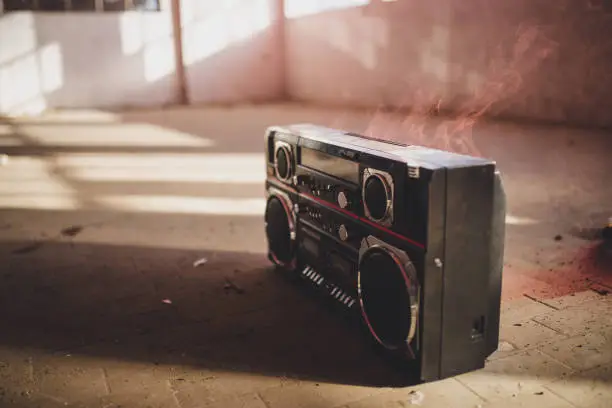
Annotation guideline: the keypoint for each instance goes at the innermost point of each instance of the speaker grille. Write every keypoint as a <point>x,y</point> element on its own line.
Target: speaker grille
<point>283,162</point>
<point>278,229</point>
<point>375,197</point>
<point>385,295</point>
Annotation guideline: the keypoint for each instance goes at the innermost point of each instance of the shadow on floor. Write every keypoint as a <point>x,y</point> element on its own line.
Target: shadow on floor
<point>232,313</point>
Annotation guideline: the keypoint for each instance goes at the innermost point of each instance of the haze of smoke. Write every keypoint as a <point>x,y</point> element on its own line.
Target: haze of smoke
<point>504,79</point>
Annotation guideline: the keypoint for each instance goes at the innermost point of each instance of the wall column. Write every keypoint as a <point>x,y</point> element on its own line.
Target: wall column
<point>177,34</point>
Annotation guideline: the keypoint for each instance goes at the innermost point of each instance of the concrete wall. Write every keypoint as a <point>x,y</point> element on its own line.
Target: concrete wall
<point>115,60</point>
<point>233,50</point>
<point>61,60</point>
<point>534,59</point>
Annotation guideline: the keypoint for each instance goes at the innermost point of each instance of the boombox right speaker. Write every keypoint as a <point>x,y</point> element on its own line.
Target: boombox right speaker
<point>408,238</point>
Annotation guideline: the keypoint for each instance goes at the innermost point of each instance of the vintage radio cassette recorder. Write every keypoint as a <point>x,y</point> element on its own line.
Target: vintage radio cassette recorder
<point>409,239</point>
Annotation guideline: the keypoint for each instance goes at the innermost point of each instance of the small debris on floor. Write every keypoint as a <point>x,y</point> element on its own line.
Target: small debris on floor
<point>517,324</point>
<point>558,237</point>
<point>416,397</point>
<point>505,346</point>
<point>539,393</point>
<point>28,248</point>
<point>167,301</point>
<point>200,262</point>
<point>72,231</point>
<point>229,285</point>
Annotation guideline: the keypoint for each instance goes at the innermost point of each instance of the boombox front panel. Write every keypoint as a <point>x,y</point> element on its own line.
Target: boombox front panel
<point>410,198</point>
<point>447,212</point>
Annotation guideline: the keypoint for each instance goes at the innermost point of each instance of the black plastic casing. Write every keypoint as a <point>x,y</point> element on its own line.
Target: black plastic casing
<point>449,217</point>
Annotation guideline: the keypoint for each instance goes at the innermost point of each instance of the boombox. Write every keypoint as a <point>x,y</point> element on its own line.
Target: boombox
<point>408,239</point>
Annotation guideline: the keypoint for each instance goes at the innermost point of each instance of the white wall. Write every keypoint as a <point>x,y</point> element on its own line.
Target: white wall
<point>532,59</point>
<point>358,55</point>
<point>57,60</point>
<point>233,50</point>
<point>116,60</point>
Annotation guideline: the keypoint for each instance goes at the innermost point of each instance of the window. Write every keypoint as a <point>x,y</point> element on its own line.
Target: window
<point>79,5</point>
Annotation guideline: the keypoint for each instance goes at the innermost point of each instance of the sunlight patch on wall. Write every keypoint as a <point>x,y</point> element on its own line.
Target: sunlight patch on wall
<point>302,8</point>
<point>151,35</point>
<point>131,31</point>
<point>159,59</point>
<point>210,27</point>
<point>138,29</point>
<point>51,67</point>
<point>20,82</point>
<point>25,80</point>
<point>20,29</point>
<point>28,70</point>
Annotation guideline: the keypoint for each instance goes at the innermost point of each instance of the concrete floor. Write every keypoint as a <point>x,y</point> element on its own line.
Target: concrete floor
<point>102,217</point>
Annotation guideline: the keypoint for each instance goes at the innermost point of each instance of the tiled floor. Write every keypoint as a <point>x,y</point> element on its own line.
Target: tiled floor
<point>103,303</point>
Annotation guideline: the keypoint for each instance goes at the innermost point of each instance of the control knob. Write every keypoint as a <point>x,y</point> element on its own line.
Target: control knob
<point>343,232</point>
<point>343,201</point>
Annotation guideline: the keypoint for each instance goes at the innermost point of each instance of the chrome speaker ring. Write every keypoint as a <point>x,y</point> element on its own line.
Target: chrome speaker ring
<point>386,182</point>
<point>286,260</point>
<point>410,289</point>
<point>282,148</point>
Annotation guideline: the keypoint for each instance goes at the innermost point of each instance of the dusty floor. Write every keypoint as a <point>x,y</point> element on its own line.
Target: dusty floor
<point>102,217</point>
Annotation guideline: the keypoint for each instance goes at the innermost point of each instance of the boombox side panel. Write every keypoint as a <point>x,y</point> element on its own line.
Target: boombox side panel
<point>467,268</point>
<point>498,240</point>
<point>431,305</point>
